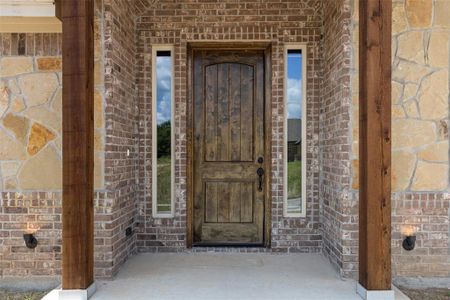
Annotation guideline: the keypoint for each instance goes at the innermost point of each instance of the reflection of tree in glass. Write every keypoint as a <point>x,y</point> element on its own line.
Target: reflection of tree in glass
<point>164,171</point>
<point>163,184</point>
<point>164,139</point>
<point>294,179</point>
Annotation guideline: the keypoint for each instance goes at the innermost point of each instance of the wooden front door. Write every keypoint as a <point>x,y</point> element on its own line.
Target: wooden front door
<point>228,114</point>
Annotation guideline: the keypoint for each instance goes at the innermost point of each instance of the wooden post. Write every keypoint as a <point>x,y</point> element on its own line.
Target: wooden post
<point>78,144</point>
<point>375,18</point>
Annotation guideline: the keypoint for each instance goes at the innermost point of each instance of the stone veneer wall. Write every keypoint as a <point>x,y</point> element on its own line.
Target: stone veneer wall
<point>277,22</point>
<point>420,140</point>
<point>30,147</point>
<point>30,152</point>
<point>30,155</point>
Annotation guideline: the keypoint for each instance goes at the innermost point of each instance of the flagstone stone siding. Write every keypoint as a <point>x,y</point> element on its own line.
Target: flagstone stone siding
<point>30,145</point>
<point>31,157</point>
<point>30,153</point>
<point>420,139</point>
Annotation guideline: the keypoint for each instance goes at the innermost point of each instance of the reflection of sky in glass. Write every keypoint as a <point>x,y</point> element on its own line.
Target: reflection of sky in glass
<point>163,88</point>
<point>294,85</point>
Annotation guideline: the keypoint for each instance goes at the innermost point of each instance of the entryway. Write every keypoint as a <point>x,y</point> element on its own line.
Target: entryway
<point>229,147</point>
<point>226,276</point>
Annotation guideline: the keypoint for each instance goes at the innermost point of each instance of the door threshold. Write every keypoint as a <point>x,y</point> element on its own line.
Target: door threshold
<point>229,245</point>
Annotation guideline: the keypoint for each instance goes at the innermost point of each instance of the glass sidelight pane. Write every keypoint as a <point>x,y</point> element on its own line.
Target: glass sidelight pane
<point>163,135</point>
<point>295,133</point>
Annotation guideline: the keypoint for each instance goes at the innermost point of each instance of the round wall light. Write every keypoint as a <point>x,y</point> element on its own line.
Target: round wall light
<point>30,241</point>
<point>409,242</point>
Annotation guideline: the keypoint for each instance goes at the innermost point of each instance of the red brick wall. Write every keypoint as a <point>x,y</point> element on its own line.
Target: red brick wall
<point>121,127</point>
<point>428,215</point>
<point>177,23</point>
<point>42,209</point>
<point>338,201</point>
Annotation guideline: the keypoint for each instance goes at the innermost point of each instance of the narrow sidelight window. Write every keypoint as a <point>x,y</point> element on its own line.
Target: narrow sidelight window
<point>162,132</point>
<point>295,131</point>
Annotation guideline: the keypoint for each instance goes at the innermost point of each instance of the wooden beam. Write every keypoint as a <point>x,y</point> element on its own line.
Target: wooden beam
<point>375,17</point>
<point>78,141</point>
<point>30,24</point>
<point>58,9</point>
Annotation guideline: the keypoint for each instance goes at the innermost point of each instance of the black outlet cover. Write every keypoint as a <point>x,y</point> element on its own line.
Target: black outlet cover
<point>128,231</point>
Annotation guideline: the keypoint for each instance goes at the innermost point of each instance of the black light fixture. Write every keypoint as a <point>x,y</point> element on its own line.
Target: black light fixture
<point>30,241</point>
<point>409,242</point>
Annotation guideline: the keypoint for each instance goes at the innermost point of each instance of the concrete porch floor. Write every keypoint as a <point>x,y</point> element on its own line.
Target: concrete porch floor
<point>227,276</point>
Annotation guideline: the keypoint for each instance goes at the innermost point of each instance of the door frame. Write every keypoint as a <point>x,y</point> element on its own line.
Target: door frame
<point>229,45</point>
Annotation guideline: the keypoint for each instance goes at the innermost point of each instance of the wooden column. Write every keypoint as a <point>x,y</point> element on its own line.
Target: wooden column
<point>375,144</point>
<point>78,144</point>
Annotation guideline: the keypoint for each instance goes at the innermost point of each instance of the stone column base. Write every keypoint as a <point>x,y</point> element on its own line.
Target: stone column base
<point>374,295</point>
<point>60,294</point>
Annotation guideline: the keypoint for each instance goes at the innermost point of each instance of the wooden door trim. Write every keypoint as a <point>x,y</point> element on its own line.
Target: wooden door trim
<point>266,47</point>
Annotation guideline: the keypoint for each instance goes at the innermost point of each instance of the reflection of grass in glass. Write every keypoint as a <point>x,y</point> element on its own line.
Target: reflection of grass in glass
<point>164,186</point>
<point>294,179</point>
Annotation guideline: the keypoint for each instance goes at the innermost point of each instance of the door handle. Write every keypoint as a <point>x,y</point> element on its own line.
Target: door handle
<point>260,173</point>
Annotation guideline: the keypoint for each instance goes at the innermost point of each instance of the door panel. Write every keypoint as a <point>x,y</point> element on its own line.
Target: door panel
<point>228,97</point>
<point>228,202</point>
<point>228,140</point>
